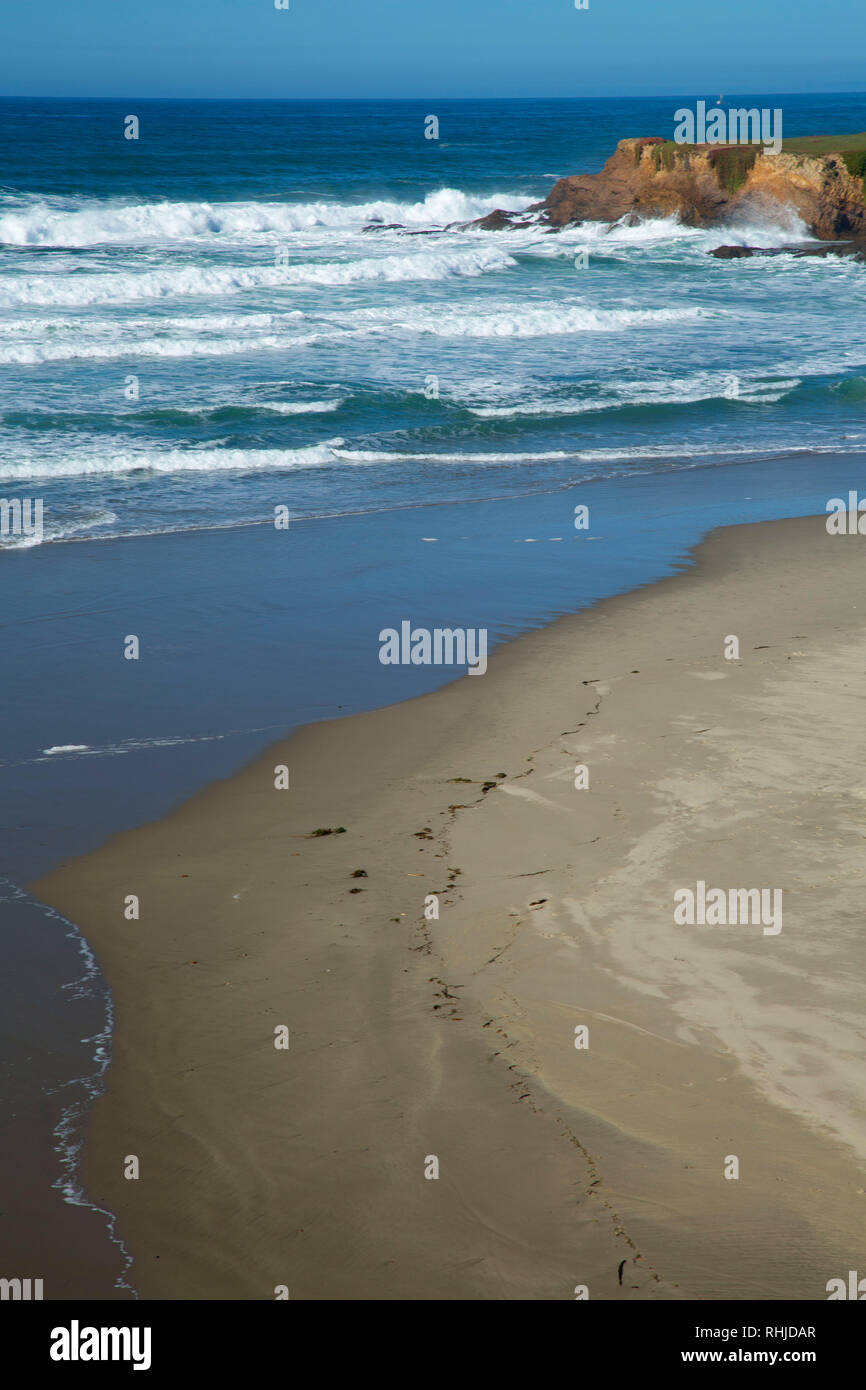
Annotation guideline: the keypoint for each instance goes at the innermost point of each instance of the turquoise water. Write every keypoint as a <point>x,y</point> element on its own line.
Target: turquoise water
<point>291,346</point>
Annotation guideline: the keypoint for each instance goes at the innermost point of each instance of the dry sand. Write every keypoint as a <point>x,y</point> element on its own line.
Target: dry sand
<point>455,1037</point>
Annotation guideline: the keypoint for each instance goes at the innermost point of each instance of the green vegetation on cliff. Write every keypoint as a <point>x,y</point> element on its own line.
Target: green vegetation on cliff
<point>851,147</point>
<point>731,162</point>
<point>826,144</point>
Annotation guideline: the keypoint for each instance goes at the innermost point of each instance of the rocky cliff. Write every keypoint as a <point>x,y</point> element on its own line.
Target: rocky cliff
<point>821,178</point>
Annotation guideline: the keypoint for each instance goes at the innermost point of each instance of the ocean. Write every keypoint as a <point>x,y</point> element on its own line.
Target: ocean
<point>265,303</point>
<point>259,305</point>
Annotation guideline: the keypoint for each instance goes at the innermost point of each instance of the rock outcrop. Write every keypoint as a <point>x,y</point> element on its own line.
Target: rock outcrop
<point>705,185</point>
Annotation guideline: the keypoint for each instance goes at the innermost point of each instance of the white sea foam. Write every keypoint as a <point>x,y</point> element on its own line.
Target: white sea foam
<point>90,462</point>
<point>660,238</point>
<point>121,460</point>
<point>300,407</point>
<point>55,530</point>
<point>68,1130</point>
<point>72,222</point>
<point>124,287</point>
<point>703,386</point>
<point>335,452</point>
<point>648,231</point>
<point>68,222</point>
<point>510,320</point>
<point>462,457</point>
<point>28,354</point>
<point>767,226</point>
<point>543,320</point>
<point>663,453</point>
<point>140,745</point>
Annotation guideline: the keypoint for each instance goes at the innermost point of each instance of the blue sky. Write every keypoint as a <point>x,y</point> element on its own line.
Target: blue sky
<point>427,48</point>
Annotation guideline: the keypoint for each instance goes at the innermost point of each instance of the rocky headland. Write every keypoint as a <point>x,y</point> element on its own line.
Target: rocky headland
<point>820,178</point>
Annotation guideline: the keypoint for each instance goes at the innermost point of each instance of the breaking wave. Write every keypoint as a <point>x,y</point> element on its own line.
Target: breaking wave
<point>66,222</point>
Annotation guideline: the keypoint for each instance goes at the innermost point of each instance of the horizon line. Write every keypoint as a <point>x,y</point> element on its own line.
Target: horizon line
<point>619,96</point>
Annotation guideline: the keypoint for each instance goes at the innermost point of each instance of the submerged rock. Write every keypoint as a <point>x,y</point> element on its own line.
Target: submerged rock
<point>733,253</point>
<point>856,249</point>
<point>498,221</point>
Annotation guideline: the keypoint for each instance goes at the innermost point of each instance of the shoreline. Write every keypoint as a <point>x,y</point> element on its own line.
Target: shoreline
<point>306,1168</point>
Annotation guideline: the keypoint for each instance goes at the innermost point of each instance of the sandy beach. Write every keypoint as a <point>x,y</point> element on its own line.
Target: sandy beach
<point>413,1036</point>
